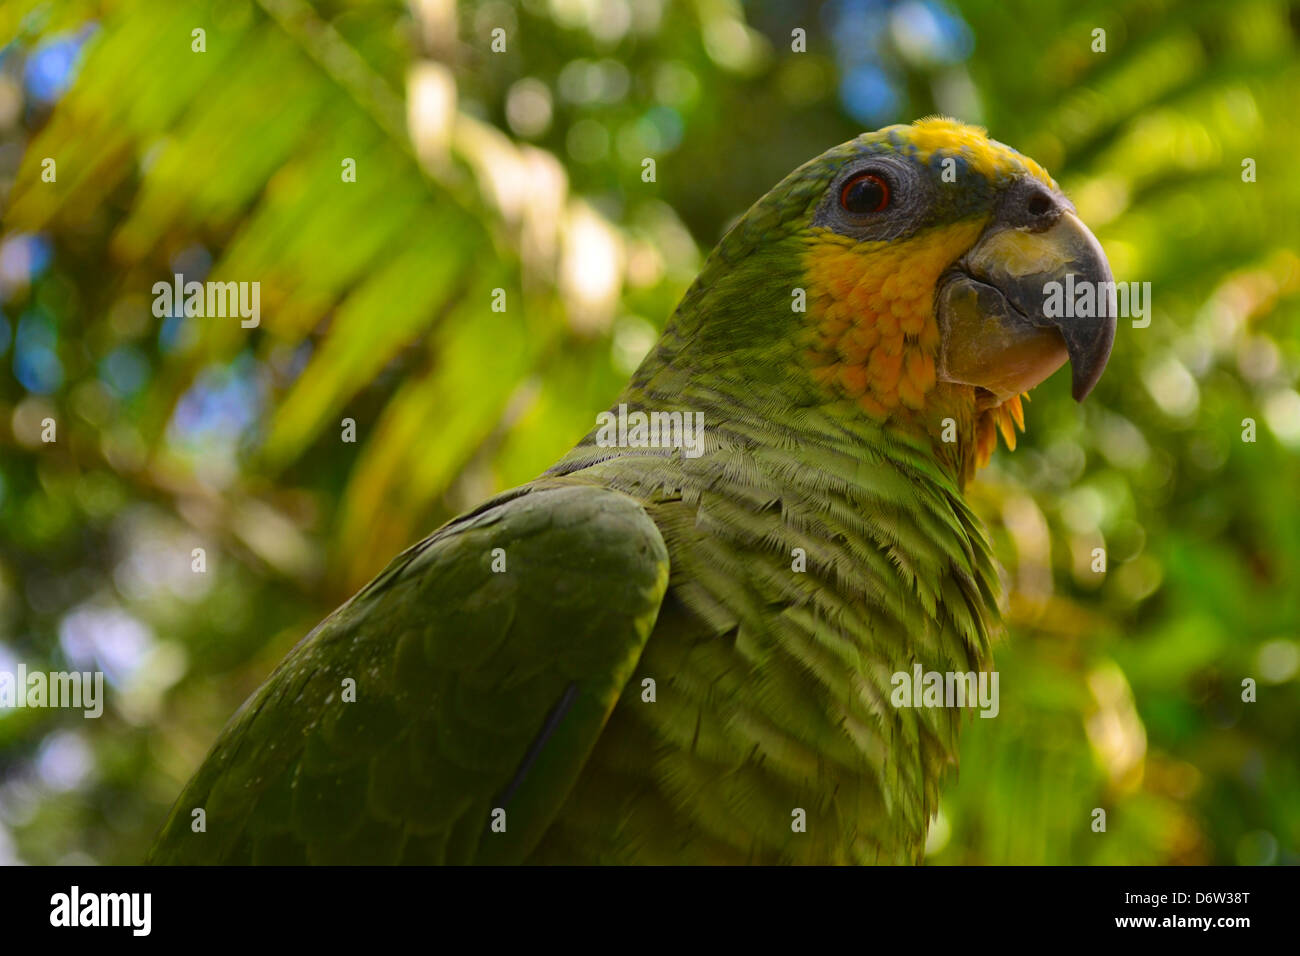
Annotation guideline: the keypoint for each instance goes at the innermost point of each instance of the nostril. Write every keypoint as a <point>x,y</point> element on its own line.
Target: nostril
<point>1039,205</point>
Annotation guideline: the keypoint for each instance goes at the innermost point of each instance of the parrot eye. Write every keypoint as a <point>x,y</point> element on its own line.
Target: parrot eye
<point>865,193</point>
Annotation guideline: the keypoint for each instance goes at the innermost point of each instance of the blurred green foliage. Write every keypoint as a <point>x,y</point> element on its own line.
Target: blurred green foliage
<point>521,170</point>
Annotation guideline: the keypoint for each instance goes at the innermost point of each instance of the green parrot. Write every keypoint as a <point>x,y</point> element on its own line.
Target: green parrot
<point>681,644</point>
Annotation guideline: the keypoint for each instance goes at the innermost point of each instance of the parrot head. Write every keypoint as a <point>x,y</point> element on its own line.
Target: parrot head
<point>904,277</point>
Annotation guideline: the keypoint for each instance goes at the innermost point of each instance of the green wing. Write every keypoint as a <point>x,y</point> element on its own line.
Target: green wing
<point>476,690</point>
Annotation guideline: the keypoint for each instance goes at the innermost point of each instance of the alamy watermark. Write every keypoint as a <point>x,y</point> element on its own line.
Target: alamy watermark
<point>209,299</point>
<point>1088,300</point>
<point>684,430</point>
<point>79,690</point>
<point>946,689</point>
<point>132,911</point>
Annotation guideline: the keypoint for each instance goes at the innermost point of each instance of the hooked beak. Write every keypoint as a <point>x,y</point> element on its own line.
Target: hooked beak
<point>1004,326</point>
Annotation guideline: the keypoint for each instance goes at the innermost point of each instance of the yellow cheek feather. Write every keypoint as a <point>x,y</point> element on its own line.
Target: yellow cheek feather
<point>873,336</point>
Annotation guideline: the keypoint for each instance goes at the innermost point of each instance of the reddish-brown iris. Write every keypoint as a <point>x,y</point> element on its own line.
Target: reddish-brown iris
<point>865,193</point>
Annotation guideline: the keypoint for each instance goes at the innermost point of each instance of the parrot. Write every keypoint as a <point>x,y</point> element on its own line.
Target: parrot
<point>686,653</point>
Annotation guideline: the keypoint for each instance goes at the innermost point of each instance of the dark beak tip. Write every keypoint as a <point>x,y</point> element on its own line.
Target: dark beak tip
<point>1088,364</point>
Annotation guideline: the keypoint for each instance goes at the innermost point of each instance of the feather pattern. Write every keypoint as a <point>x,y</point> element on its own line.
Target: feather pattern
<point>774,685</point>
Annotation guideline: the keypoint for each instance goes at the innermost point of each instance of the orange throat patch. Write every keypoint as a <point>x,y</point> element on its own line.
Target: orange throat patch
<point>872,335</point>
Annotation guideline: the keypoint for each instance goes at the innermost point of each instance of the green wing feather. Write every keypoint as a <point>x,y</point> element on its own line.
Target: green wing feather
<point>476,690</point>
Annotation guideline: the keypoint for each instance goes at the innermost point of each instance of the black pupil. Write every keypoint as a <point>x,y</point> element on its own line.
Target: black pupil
<point>865,195</point>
